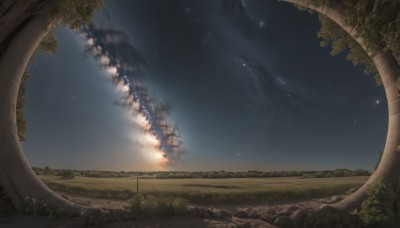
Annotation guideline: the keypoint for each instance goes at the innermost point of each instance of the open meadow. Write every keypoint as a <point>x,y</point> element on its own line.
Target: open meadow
<point>205,191</point>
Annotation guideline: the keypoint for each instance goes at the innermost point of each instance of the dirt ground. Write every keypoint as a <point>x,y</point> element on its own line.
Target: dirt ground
<point>236,219</point>
<point>20,221</point>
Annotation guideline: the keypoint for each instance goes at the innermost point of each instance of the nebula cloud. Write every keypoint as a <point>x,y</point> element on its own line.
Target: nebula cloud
<point>111,48</point>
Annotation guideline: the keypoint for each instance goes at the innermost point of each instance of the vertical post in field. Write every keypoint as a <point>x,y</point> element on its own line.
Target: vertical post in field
<point>137,188</point>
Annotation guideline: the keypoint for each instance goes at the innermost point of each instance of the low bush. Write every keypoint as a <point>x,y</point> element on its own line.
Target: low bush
<point>66,174</point>
<point>149,205</point>
<point>37,207</point>
<point>377,210</point>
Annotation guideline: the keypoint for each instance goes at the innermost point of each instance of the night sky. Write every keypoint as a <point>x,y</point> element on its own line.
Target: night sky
<point>249,86</point>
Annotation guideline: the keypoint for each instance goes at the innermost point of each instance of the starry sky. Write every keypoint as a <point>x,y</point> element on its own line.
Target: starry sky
<point>249,86</point>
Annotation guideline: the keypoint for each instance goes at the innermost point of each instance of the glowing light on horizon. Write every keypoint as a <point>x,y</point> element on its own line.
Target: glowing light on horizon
<point>159,157</point>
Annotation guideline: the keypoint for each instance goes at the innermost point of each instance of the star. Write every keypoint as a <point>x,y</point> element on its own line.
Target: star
<point>377,101</point>
<point>281,81</point>
<point>244,64</point>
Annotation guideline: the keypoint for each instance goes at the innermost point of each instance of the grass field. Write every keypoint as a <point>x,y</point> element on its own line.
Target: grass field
<point>232,190</point>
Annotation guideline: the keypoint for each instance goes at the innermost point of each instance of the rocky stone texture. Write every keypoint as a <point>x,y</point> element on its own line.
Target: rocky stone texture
<point>207,213</point>
<point>294,215</point>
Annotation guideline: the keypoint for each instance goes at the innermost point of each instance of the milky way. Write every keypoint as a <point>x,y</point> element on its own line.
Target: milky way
<point>123,63</point>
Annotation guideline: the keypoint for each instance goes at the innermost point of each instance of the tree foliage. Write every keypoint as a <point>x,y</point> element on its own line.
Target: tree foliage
<point>71,13</point>
<point>21,121</point>
<point>48,45</point>
<point>378,22</point>
<point>75,13</point>
<point>332,34</point>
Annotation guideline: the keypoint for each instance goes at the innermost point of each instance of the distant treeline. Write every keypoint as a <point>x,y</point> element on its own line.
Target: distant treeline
<point>201,174</point>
